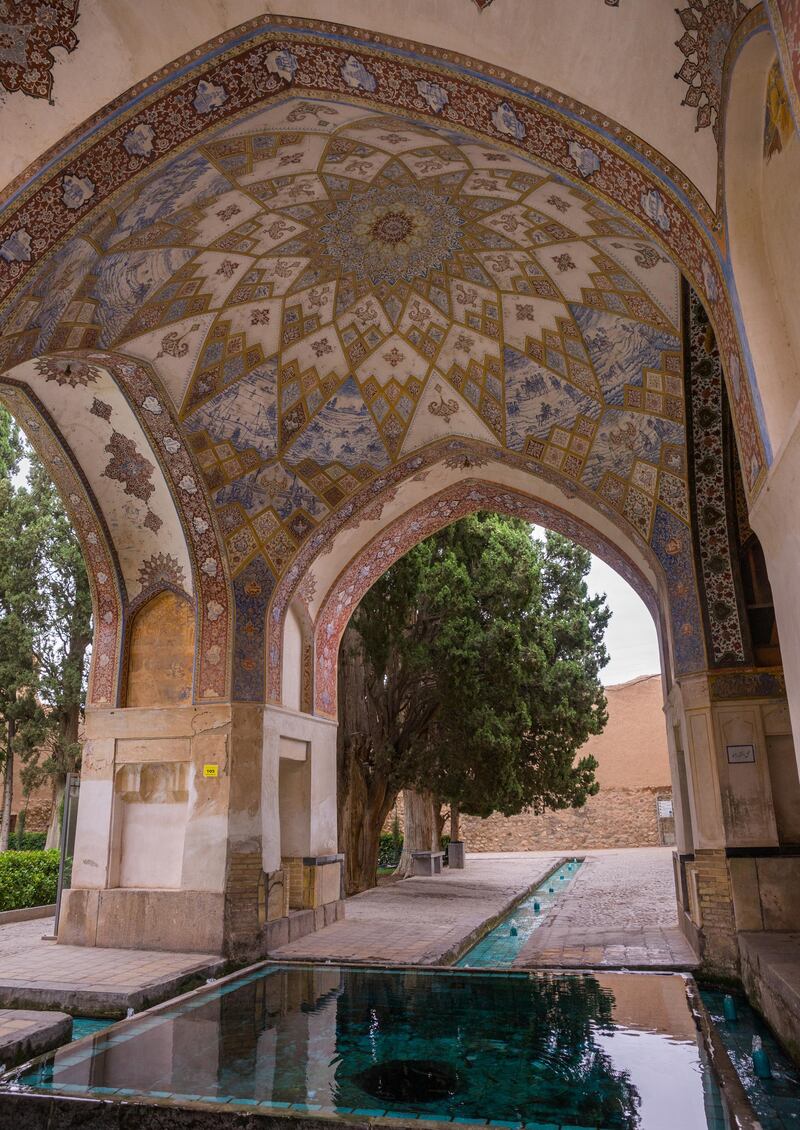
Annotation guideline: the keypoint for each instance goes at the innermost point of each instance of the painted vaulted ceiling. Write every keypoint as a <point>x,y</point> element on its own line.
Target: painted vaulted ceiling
<point>324,290</point>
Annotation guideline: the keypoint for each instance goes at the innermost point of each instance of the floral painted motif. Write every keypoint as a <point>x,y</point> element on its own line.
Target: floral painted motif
<point>434,96</point>
<point>29,30</point>
<point>160,571</point>
<point>76,191</point>
<point>70,371</point>
<point>708,27</point>
<point>129,467</point>
<point>282,63</point>
<point>17,248</point>
<point>391,233</point>
<point>356,75</point>
<point>209,97</point>
<point>585,159</point>
<point>705,405</point>
<point>655,209</point>
<point>778,123</point>
<point>506,121</point>
<point>139,142</point>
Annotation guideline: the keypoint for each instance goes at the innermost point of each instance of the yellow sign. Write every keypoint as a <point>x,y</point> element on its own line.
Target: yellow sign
<point>211,770</point>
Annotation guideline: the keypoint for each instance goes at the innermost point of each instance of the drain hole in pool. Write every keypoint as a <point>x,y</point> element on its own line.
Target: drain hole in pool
<point>406,1079</point>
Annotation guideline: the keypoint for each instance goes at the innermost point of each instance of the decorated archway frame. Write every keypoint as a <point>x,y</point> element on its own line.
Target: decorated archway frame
<point>102,568</point>
<point>670,556</point>
<point>420,522</point>
<point>183,477</point>
<point>240,71</point>
<point>152,409</point>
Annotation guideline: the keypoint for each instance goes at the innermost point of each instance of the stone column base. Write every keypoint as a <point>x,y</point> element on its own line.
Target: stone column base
<point>124,918</point>
<point>299,923</point>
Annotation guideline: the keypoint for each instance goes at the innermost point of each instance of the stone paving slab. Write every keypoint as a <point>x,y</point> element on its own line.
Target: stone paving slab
<point>426,920</point>
<point>89,980</point>
<point>24,1034</point>
<point>618,913</point>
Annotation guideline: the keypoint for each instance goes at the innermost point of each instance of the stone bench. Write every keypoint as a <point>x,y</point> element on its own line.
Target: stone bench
<point>426,862</point>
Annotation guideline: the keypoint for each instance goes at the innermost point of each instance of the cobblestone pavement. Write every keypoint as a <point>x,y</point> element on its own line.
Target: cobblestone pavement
<point>86,979</point>
<point>425,920</point>
<point>619,912</point>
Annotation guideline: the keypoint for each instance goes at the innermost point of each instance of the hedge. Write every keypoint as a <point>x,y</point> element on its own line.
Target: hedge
<point>28,878</point>
<point>28,841</point>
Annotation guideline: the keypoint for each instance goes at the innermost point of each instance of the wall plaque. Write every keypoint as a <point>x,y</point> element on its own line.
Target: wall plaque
<point>741,754</point>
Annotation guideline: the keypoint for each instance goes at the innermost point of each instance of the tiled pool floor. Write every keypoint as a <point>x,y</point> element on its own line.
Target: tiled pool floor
<point>502,945</point>
<point>616,1051</point>
<point>776,1100</point>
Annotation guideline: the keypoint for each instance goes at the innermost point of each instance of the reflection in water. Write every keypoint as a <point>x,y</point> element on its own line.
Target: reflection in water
<point>442,1044</point>
<point>410,1080</point>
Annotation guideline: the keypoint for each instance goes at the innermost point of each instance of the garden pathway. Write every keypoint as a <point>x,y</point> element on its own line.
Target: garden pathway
<point>88,980</point>
<point>618,913</point>
<point>425,921</point>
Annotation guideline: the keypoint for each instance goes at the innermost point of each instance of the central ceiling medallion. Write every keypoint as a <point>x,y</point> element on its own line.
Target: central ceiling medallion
<point>390,233</point>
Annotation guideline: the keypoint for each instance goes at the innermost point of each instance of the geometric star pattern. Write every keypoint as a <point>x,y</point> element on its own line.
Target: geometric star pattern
<point>325,289</point>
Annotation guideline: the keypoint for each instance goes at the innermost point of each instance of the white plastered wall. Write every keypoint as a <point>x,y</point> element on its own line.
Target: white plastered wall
<point>292,669</point>
<point>289,735</point>
<point>763,212</point>
<point>764,233</point>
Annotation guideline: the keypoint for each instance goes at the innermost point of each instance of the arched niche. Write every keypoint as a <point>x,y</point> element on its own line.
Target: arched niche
<point>297,659</point>
<point>762,170</point>
<point>160,652</point>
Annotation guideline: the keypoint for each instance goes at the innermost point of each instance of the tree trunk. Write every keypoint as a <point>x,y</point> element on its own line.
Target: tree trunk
<point>364,798</point>
<point>420,828</point>
<point>363,808</point>
<point>455,823</point>
<point>54,828</point>
<point>8,789</point>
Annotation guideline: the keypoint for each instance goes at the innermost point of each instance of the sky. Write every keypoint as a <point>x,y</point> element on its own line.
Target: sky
<point>631,639</point>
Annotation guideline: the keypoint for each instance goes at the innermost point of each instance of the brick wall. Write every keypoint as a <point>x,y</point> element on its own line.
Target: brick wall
<point>39,804</point>
<point>633,773</point>
<point>613,818</point>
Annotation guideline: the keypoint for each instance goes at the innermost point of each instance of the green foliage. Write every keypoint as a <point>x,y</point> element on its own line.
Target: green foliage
<point>390,849</point>
<point>28,841</point>
<point>484,649</point>
<point>28,878</point>
<point>45,621</point>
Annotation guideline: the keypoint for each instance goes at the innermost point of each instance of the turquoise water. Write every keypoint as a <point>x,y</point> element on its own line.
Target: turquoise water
<point>499,948</point>
<point>88,1026</point>
<point>610,1051</point>
<point>776,1100</point>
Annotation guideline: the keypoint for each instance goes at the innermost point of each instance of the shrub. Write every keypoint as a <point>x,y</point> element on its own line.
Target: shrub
<point>391,846</point>
<point>28,878</point>
<point>28,841</point>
